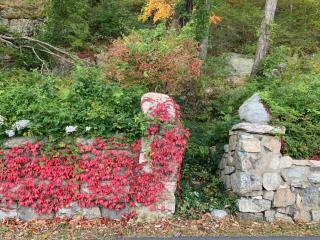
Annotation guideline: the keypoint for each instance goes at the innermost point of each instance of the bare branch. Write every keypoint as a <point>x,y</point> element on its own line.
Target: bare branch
<point>41,46</point>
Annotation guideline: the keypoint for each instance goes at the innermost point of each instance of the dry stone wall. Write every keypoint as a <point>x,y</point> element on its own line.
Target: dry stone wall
<point>269,186</point>
<point>20,19</point>
<point>139,179</point>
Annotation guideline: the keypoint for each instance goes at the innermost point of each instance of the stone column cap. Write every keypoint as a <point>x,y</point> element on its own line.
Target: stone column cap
<point>149,102</point>
<point>258,128</point>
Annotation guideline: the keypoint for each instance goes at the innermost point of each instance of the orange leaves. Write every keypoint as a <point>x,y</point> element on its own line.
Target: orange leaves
<point>158,10</point>
<point>215,19</point>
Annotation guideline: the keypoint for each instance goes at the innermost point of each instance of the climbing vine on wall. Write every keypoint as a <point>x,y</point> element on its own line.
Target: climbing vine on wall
<point>103,173</point>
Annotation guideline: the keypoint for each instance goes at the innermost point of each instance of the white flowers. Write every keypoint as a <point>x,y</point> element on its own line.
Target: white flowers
<point>20,125</point>
<point>10,133</point>
<point>70,129</point>
<point>88,129</point>
<point>17,126</point>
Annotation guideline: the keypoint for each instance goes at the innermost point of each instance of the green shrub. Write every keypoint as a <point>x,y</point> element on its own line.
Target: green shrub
<point>292,95</point>
<point>68,23</point>
<point>238,28</point>
<point>201,192</point>
<point>111,19</point>
<point>294,102</point>
<point>162,60</point>
<point>296,26</point>
<point>83,100</point>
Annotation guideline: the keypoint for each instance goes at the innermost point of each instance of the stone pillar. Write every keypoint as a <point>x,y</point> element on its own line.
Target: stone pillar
<point>165,207</point>
<point>269,185</point>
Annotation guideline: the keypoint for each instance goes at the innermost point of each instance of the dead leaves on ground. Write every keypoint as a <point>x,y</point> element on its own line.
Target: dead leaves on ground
<point>205,226</point>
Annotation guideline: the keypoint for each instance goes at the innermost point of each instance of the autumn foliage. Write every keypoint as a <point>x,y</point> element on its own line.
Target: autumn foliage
<point>158,10</point>
<point>104,173</point>
<point>163,62</point>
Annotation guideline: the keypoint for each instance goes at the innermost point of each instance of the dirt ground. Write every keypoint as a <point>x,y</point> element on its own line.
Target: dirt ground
<point>104,229</point>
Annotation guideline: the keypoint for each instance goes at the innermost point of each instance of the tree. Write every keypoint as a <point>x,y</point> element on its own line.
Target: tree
<point>263,42</point>
<point>158,10</point>
<point>110,19</point>
<point>200,11</point>
<point>67,23</point>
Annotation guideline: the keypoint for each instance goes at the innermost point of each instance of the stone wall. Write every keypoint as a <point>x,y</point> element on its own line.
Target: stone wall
<point>159,164</point>
<point>20,19</point>
<point>269,186</point>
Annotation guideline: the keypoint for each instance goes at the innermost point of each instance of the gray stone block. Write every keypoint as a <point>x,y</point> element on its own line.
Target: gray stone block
<point>258,128</point>
<point>233,142</point>
<point>286,210</point>
<point>8,211</point>
<point>283,218</point>
<point>296,176</point>
<point>268,195</point>
<point>253,111</point>
<point>271,181</point>
<point>18,141</point>
<point>269,215</point>
<point>267,161</point>
<point>229,169</point>
<point>219,214</point>
<point>301,162</point>
<point>223,162</point>
<point>315,215</point>
<point>91,213</point>
<point>271,144</point>
<point>114,214</point>
<point>283,198</point>
<point>251,217</point>
<point>253,205</point>
<point>285,162</point>
<point>245,182</point>
<point>69,212</point>
<point>302,216</point>
<point>28,214</point>
<point>314,176</point>
<point>310,198</point>
<point>244,160</point>
<point>248,143</point>
<point>254,194</point>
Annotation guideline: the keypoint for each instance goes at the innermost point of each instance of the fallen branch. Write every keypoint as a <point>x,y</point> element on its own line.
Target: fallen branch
<point>36,46</point>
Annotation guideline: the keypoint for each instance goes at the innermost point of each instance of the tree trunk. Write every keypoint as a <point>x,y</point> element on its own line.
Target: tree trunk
<point>263,42</point>
<point>189,6</point>
<point>204,47</point>
<point>205,40</point>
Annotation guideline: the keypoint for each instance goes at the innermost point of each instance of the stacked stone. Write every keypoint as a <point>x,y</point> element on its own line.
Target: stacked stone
<point>19,19</point>
<point>165,207</point>
<point>73,210</point>
<point>269,186</point>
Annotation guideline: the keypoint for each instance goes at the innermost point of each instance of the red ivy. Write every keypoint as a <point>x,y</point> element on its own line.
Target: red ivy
<point>93,174</point>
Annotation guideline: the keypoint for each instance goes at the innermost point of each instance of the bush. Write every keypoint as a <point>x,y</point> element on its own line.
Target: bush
<point>162,60</point>
<point>294,102</point>
<point>292,95</point>
<point>296,26</point>
<point>201,192</point>
<point>83,100</point>
<point>238,28</point>
<point>111,19</point>
<point>67,23</point>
